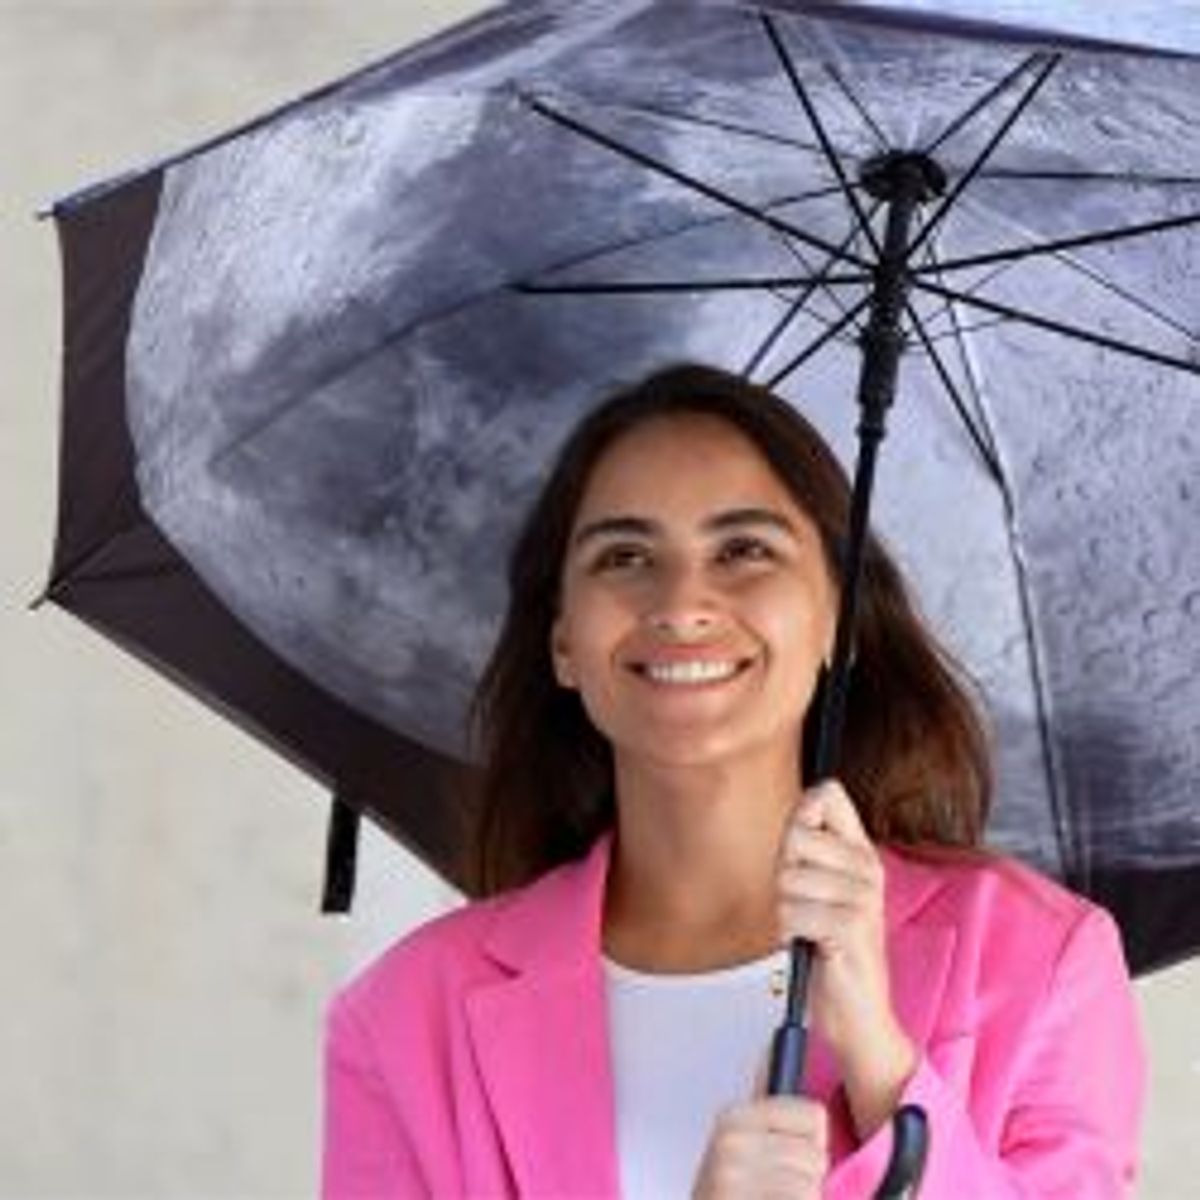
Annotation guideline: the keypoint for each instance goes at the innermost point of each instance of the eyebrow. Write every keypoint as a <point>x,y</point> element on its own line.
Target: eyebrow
<point>734,518</point>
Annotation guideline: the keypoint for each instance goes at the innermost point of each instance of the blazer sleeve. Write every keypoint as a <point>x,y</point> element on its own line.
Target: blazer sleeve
<point>366,1152</point>
<point>1071,1129</point>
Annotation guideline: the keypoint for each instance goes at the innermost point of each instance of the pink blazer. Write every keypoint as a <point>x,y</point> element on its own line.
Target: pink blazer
<point>472,1058</point>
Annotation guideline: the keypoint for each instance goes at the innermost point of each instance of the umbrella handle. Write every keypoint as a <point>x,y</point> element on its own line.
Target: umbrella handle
<point>910,1126</point>
<point>910,1146</point>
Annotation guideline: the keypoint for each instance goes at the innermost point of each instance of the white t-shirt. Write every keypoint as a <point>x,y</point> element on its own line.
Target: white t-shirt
<point>683,1047</point>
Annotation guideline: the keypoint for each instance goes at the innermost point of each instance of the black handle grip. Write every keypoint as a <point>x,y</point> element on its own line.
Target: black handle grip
<point>787,1059</point>
<point>910,1147</point>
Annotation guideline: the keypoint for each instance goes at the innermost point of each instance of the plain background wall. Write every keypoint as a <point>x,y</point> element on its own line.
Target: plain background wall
<point>164,967</point>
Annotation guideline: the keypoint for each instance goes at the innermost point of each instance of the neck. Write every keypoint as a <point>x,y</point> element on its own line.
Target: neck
<point>691,882</point>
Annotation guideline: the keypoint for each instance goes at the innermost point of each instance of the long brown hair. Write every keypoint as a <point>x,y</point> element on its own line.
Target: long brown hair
<point>914,755</point>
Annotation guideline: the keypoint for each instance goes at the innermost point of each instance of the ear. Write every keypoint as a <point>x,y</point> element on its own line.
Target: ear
<point>560,656</point>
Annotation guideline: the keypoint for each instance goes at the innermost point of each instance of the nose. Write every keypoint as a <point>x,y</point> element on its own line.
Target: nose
<point>684,606</point>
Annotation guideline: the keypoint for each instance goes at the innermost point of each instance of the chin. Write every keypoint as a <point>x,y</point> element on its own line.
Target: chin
<point>690,749</point>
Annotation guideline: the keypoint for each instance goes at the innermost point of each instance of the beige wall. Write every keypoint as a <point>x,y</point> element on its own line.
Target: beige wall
<point>163,967</point>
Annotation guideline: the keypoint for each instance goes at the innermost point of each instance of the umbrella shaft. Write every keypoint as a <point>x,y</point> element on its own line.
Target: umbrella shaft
<point>905,184</point>
<point>903,181</point>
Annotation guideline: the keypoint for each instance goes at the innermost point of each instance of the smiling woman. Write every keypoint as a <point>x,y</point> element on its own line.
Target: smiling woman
<point>648,842</point>
<point>675,473</point>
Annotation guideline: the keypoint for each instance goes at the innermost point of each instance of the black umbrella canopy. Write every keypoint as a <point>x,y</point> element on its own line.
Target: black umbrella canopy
<point>314,372</point>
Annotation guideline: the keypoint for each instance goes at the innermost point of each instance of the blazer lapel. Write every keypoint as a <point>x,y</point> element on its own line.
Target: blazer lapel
<point>920,947</point>
<point>540,1038</point>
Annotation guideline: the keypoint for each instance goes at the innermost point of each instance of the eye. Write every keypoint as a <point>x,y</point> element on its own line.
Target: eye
<point>620,557</point>
<point>748,548</point>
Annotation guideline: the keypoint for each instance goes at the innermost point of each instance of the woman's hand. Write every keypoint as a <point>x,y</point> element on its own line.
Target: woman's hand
<point>830,891</point>
<point>770,1148</point>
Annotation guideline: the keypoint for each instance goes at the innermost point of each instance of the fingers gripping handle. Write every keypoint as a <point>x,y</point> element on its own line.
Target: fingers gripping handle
<point>910,1145</point>
<point>910,1127</point>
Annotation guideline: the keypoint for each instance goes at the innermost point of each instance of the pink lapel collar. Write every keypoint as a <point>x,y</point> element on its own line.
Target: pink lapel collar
<point>541,1037</point>
<point>920,945</point>
<point>555,921</point>
<point>912,881</point>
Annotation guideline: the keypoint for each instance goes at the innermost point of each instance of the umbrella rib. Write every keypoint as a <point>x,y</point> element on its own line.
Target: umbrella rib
<point>811,282</point>
<point>971,290</point>
<point>777,331</point>
<point>682,177</point>
<point>1092,177</point>
<point>1097,238</point>
<point>1101,281</point>
<point>650,287</point>
<point>1060,327</point>
<point>795,307</point>
<point>979,105</point>
<point>958,332</point>
<point>1069,852</point>
<point>857,104</point>
<point>702,121</point>
<point>827,336</point>
<point>683,227</point>
<point>1105,284</point>
<point>985,154</point>
<point>961,329</point>
<point>350,362</point>
<point>123,574</point>
<point>1090,273</point>
<point>341,369</point>
<point>789,67</point>
<point>986,452</point>
<point>823,276</point>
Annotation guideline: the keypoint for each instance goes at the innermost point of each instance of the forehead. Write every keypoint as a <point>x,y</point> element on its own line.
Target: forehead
<point>683,461</point>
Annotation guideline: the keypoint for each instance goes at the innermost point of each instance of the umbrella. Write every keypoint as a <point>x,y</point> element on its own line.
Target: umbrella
<point>313,369</point>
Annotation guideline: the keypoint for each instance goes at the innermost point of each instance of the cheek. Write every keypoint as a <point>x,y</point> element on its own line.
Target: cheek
<point>795,622</point>
<point>797,641</point>
<point>591,624</point>
<point>592,664</point>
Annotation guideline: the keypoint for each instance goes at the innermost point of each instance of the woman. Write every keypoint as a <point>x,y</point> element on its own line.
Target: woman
<point>647,846</point>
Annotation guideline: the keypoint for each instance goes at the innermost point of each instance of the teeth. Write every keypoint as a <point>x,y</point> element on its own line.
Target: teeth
<point>691,672</point>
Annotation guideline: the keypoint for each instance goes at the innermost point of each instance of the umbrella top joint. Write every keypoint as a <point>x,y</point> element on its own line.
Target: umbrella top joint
<point>903,180</point>
<point>907,174</point>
